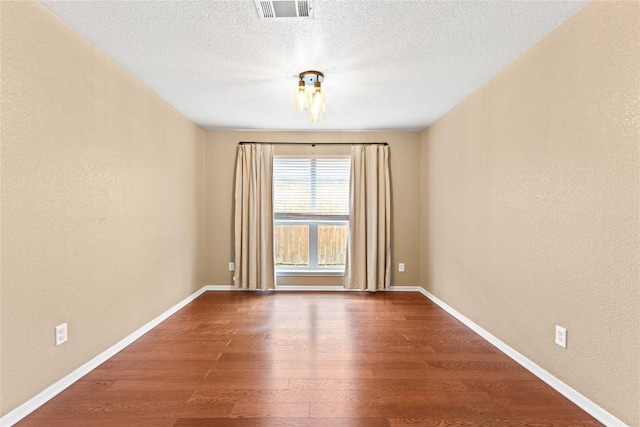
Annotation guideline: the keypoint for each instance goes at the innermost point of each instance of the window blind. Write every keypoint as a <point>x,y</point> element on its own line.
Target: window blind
<point>311,188</point>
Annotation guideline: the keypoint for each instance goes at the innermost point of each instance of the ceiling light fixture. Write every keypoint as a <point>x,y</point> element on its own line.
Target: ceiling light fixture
<point>309,94</point>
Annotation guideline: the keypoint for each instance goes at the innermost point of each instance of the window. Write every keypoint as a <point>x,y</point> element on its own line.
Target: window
<point>311,213</point>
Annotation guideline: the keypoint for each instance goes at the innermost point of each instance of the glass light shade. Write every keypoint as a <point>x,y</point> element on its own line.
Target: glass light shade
<point>316,107</point>
<point>322,94</point>
<point>315,117</point>
<point>300,100</point>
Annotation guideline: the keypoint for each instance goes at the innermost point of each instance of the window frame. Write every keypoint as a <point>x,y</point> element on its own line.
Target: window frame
<point>312,221</point>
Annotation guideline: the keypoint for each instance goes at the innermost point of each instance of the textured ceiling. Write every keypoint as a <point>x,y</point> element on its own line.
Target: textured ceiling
<point>388,64</point>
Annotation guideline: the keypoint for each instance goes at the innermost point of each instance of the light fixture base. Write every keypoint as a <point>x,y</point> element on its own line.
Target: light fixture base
<point>310,77</point>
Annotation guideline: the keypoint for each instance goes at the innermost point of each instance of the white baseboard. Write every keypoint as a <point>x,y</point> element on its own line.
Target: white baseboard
<point>587,405</point>
<point>47,394</point>
<point>584,403</point>
<point>339,288</point>
<point>280,288</point>
<point>219,288</point>
<point>404,288</point>
<point>303,288</point>
<point>311,288</point>
<point>332,288</point>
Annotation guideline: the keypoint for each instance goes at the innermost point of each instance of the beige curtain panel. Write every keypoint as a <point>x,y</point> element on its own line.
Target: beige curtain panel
<point>253,218</point>
<point>368,265</point>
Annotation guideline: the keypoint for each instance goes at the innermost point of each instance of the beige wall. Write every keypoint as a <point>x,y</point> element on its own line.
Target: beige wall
<point>102,202</point>
<point>404,150</point>
<point>530,205</point>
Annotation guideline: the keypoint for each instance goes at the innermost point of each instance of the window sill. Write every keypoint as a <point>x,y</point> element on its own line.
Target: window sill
<point>286,273</point>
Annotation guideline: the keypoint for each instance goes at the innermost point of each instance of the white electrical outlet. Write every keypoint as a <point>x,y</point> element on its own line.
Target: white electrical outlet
<point>232,266</point>
<point>61,334</point>
<point>561,336</point>
<point>401,267</point>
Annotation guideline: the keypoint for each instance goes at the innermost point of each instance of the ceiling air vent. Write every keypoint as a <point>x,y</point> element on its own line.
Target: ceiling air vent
<point>292,9</point>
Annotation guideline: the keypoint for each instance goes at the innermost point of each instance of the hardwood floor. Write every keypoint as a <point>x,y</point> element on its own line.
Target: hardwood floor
<point>240,359</point>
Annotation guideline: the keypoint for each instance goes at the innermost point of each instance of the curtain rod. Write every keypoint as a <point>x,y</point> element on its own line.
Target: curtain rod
<point>313,144</point>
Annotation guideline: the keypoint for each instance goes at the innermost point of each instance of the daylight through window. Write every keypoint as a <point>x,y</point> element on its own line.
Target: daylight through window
<point>311,213</point>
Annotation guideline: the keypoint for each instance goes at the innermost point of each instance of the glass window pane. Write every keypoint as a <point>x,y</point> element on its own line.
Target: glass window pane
<point>332,244</point>
<point>311,186</point>
<point>292,186</point>
<point>292,245</point>
<point>332,186</point>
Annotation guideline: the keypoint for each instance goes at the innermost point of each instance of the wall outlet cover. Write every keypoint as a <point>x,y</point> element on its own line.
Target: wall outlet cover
<point>61,333</point>
<point>561,336</point>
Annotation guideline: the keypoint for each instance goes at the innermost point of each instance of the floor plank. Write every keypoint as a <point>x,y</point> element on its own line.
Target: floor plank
<point>309,359</point>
